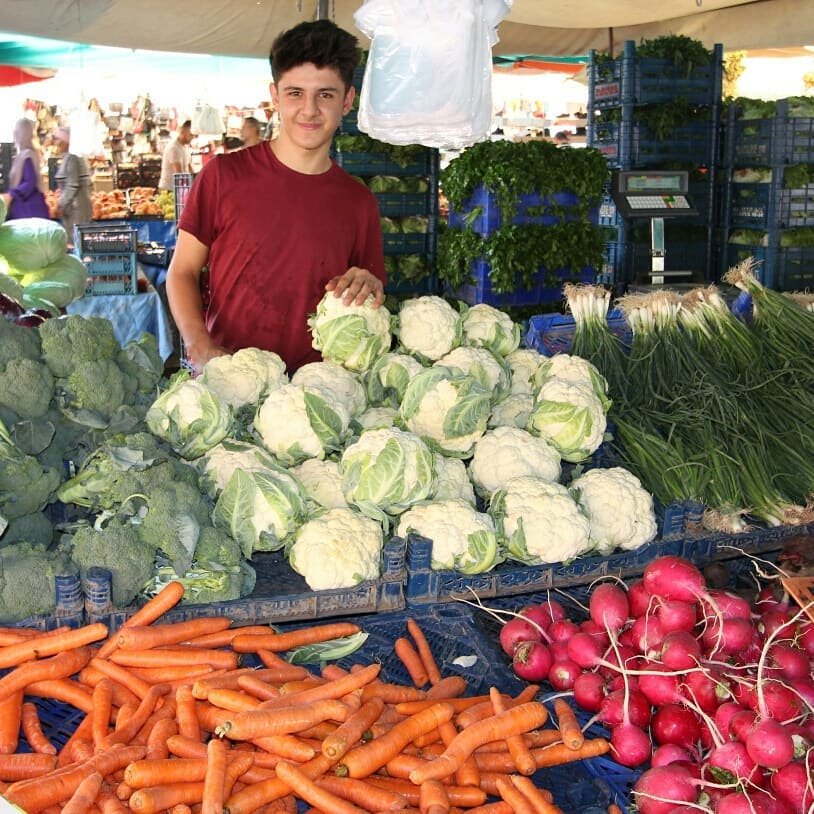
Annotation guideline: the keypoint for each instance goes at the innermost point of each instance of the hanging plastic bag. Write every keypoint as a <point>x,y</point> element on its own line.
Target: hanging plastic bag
<point>428,78</point>
<point>207,120</point>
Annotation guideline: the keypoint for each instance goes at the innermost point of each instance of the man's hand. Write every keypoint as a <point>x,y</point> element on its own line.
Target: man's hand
<point>200,352</point>
<point>355,285</point>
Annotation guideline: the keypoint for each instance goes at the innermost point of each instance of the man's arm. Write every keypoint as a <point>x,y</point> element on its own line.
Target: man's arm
<point>184,295</point>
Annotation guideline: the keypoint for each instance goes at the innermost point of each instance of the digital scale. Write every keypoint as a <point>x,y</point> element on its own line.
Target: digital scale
<point>655,195</point>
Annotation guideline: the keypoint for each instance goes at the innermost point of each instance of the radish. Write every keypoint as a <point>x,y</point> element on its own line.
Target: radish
<point>673,615</point>
<point>608,606</point>
<point>589,690</point>
<point>648,634</point>
<point>617,682</point>
<point>730,605</point>
<point>723,715</point>
<point>769,744</point>
<point>561,630</point>
<point>540,615</point>
<point>778,701</point>
<point>592,629</point>
<point>729,636</point>
<point>805,690</point>
<point>630,745</point>
<point>806,638</point>
<point>563,674</point>
<point>639,599</point>
<point>680,650</point>
<point>658,687</point>
<point>674,578</point>
<point>791,784</point>
<point>705,688</point>
<point>741,724</point>
<point>620,659</point>
<point>558,650</point>
<point>515,632</point>
<point>532,661</point>
<point>661,788</point>
<point>553,611</point>
<point>792,662</point>
<point>669,753</point>
<point>626,637</point>
<point>585,650</point>
<point>776,620</point>
<point>672,723</point>
<point>612,709</point>
<point>734,758</point>
<point>768,598</point>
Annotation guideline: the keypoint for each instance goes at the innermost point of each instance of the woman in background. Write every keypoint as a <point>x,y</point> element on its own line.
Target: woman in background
<point>73,180</point>
<point>24,198</point>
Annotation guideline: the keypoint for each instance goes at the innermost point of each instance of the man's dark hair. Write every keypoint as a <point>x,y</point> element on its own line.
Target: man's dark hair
<point>255,123</point>
<point>187,124</point>
<point>322,43</point>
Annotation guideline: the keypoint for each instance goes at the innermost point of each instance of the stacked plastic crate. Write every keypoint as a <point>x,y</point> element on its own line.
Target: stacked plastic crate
<point>768,207</point>
<point>624,96</point>
<point>405,182</point>
<point>109,254</point>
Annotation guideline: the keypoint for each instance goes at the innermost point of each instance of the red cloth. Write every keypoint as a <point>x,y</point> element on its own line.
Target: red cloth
<point>275,238</point>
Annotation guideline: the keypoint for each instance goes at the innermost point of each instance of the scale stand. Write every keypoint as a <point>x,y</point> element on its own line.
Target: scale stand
<point>658,253</point>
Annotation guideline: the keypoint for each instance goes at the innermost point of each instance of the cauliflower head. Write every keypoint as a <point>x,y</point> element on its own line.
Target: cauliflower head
<point>573,369</point>
<point>387,380</point>
<point>322,483</point>
<point>539,521</point>
<point>451,480</point>
<point>338,549</point>
<point>485,326</point>
<point>463,539</point>
<point>429,327</point>
<point>507,452</point>
<point>352,335</point>
<point>446,408</point>
<point>244,377</point>
<point>523,365</point>
<point>216,465</point>
<point>297,422</point>
<point>513,411</point>
<point>570,417</point>
<point>619,509</point>
<point>483,366</point>
<point>26,387</point>
<point>387,470</point>
<point>340,384</point>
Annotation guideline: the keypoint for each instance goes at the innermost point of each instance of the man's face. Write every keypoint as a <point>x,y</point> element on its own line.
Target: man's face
<point>310,101</point>
<point>185,135</point>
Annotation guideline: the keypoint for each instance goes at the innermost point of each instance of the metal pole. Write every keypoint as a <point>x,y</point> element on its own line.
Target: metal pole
<point>322,10</point>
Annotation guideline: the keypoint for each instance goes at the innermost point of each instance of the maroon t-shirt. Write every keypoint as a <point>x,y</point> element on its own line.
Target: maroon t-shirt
<point>275,238</point>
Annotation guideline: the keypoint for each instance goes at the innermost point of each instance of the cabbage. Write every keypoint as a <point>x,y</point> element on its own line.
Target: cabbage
<point>189,416</point>
<point>354,336</point>
<point>384,183</point>
<point>58,284</point>
<point>388,378</point>
<point>386,470</point>
<point>413,185</point>
<point>32,243</point>
<point>260,510</point>
<point>389,226</point>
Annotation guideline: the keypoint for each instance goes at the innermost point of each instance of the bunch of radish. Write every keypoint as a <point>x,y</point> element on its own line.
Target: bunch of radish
<point>715,694</point>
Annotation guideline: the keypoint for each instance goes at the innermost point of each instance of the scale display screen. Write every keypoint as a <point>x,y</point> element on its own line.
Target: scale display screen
<point>648,194</point>
<point>653,182</point>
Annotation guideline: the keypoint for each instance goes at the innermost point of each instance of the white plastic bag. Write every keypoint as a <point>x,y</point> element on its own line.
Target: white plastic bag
<point>428,78</point>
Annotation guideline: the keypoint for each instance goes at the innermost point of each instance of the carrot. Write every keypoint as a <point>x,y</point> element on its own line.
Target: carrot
<point>459,704</point>
<point>520,753</point>
<point>286,747</point>
<point>159,735</point>
<point>393,693</point>
<point>402,764</point>
<point>168,673</point>
<point>238,765</point>
<point>138,718</point>
<point>232,700</point>
<point>186,714</point>
<point>514,797</point>
<point>511,722</point>
<point>145,637</point>
<point>25,765</point>
<point>83,730</point>
<point>180,808</point>
<point>257,723</point>
<point>168,597</point>
<point>433,798</point>
<point>485,710</point>
<point>327,690</point>
<point>259,689</point>
<point>298,685</point>
<point>499,807</point>
<point>32,729</point>
<point>85,795</point>
<point>50,644</point>
<point>11,712</point>
<point>227,680</point>
<point>362,794</point>
<point>365,759</point>
<point>60,666</point>
<point>123,791</point>
<point>153,799</point>
<point>12,635</point>
<point>102,710</point>
<point>116,672</point>
<point>464,796</point>
<point>271,660</point>
<point>306,789</point>
<point>424,651</point>
<point>194,656</point>
<point>109,803</point>
<point>533,739</point>
<point>212,801</point>
<point>223,638</point>
<point>409,657</point>
<point>278,642</point>
<point>539,799</point>
<point>352,730</point>
<point>570,730</point>
<point>614,809</point>
<point>559,753</point>
<point>143,773</point>
<point>467,774</point>
<point>448,687</point>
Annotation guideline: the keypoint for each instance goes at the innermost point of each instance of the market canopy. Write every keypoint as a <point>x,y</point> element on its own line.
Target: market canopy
<point>246,27</point>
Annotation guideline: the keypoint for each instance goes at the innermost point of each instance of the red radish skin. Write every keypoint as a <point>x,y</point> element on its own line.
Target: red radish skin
<point>553,610</point>
<point>630,745</point>
<point>729,636</point>
<point>706,689</point>
<point>658,687</point>
<point>585,650</point>
<point>674,578</point>
<point>675,615</point>
<point>562,630</point>
<point>669,753</point>
<point>672,783</point>
<point>767,599</point>
<point>734,758</point>
<point>625,638</point>
<point>539,616</point>
<point>618,660</point>
<point>612,709</point>
<point>791,784</point>
<point>781,702</point>
<point>648,634</point>
<point>805,638</point>
<point>638,598</point>
<point>675,724</point>
<point>592,629</point>
<point>563,674</point>
<point>559,651</point>
<point>774,619</point>
<point>770,745</point>
<point>680,650</point>
<point>792,662</point>
<point>608,606</point>
<point>532,661</point>
<point>805,689</point>
<point>515,632</point>
<point>618,683</point>
<point>741,724</point>
<point>729,605</point>
<point>723,715</point>
<point>589,690</point>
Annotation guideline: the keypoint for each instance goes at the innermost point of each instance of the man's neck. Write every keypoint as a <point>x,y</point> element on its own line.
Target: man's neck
<point>308,162</point>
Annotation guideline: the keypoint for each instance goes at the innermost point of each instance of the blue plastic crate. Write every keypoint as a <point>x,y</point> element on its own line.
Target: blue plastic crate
<point>798,140</point>
<point>796,206</point>
<point>753,142</point>
<point>480,291</point>
<point>749,206</point>
<point>349,123</point>
<point>399,204</point>
<point>794,270</point>
<point>406,288</point>
<point>553,333</point>
<point>406,243</point>
<point>69,609</point>
<point>481,213</point>
<point>113,238</point>
<point>608,213</point>
<point>691,143</point>
<point>111,274</point>
<point>280,595</point>
<point>381,164</point>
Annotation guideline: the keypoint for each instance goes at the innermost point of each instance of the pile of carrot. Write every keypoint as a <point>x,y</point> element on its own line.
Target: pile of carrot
<point>174,724</point>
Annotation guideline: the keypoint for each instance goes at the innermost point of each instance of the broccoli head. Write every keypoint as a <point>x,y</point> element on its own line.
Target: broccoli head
<point>118,548</point>
<point>142,364</point>
<point>34,528</point>
<point>18,342</point>
<point>216,547</point>
<point>73,339</point>
<point>27,580</point>
<point>26,387</point>
<point>92,392</point>
<point>25,485</point>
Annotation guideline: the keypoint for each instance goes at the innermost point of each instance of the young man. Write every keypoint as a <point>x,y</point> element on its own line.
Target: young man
<point>279,224</point>
<point>176,156</point>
